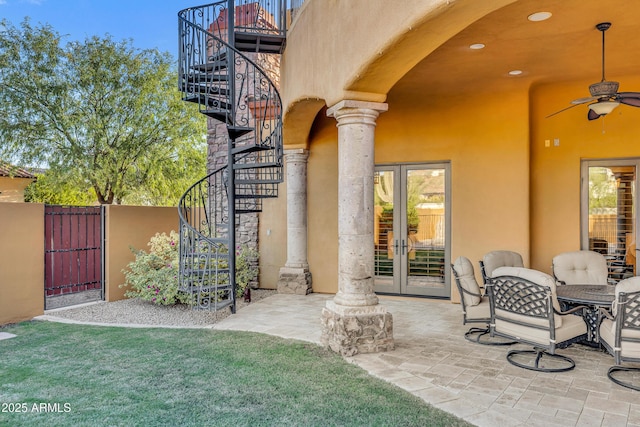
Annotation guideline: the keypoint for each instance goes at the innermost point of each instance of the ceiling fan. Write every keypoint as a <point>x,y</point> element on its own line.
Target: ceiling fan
<point>605,93</point>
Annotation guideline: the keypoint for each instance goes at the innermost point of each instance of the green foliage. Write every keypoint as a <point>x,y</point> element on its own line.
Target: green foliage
<point>246,267</point>
<point>153,276</point>
<point>99,114</point>
<point>47,189</point>
<point>602,189</point>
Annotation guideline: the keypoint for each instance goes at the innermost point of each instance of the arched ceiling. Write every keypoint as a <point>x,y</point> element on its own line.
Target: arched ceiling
<point>566,47</point>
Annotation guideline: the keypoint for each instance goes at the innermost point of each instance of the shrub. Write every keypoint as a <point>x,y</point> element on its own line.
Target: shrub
<point>153,276</point>
<point>246,267</point>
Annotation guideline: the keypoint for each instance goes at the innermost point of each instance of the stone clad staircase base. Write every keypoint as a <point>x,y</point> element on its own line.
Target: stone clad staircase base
<point>355,330</point>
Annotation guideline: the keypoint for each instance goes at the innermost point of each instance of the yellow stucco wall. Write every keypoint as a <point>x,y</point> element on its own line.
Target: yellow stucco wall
<point>272,238</point>
<point>555,171</point>
<point>21,261</point>
<point>12,189</point>
<point>487,144</point>
<point>358,49</point>
<point>322,202</point>
<point>131,226</point>
<point>22,252</point>
<point>508,190</point>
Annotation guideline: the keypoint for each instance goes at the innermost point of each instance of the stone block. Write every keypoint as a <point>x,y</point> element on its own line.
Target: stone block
<point>366,329</point>
<point>294,281</point>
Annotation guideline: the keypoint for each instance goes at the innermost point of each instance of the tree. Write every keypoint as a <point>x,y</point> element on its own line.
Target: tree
<point>602,189</point>
<point>99,114</point>
<point>47,190</point>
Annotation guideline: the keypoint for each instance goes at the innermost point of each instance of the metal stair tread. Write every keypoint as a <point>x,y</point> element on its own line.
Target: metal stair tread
<point>190,271</point>
<point>251,148</point>
<point>207,88</point>
<point>257,181</point>
<point>198,77</point>
<point>238,166</point>
<point>192,255</point>
<point>220,115</point>
<point>207,288</point>
<point>238,131</point>
<point>211,66</point>
<point>248,41</point>
<point>210,100</point>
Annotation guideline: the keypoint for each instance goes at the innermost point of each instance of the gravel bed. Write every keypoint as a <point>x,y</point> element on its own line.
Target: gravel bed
<point>138,312</point>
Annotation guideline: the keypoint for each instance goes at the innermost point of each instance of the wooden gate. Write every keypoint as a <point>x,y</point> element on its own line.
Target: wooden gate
<point>73,255</point>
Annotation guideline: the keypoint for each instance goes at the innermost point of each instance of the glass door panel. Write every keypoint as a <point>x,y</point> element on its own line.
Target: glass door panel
<point>426,227</point>
<point>411,230</point>
<point>609,220</point>
<point>385,236</point>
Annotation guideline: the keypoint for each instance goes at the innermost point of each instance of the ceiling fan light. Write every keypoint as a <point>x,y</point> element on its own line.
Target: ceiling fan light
<point>603,107</point>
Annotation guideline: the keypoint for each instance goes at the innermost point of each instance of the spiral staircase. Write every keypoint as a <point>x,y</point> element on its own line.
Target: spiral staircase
<point>220,48</point>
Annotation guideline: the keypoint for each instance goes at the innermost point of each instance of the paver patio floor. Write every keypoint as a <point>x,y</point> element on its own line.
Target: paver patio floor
<point>432,360</point>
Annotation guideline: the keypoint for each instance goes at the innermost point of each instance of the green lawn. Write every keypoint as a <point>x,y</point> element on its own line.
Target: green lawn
<point>99,376</point>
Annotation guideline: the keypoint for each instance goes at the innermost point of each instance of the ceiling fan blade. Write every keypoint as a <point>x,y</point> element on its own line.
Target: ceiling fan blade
<point>560,111</point>
<point>584,100</point>
<point>634,102</point>
<point>629,94</point>
<point>592,115</point>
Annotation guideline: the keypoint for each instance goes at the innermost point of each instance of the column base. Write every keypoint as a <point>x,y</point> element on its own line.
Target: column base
<point>353,330</point>
<point>294,281</point>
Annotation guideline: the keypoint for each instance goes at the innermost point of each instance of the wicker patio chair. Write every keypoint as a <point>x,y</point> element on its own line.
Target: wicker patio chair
<point>620,332</point>
<point>524,308</point>
<point>475,305</point>
<point>496,259</point>
<point>580,268</point>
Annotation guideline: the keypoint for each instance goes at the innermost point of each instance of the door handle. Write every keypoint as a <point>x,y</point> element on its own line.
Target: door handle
<point>396,247</point>
<point>404,246</point>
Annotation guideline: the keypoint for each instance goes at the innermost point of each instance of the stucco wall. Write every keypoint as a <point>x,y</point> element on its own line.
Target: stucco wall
<point>489,155</point>
<point>272,238</point>
<point>21,261</point>
<point>22,252</point>
<point>358,49</point>
<point>555,171</point>
<point>12,189</point>
<point>126,227</point>
<point>508,191</point>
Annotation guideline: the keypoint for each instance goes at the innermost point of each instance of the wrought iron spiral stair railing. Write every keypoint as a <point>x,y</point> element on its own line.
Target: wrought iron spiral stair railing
<point>231,88</point>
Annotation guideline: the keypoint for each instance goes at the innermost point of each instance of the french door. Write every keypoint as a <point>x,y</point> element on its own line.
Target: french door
<point>609,219</point>
<point>411,229</point>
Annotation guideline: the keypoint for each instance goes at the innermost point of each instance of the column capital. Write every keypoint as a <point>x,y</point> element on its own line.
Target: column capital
<point>296,154</point>
<point>351,111</point>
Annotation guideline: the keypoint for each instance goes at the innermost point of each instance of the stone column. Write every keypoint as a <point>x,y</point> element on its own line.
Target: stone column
<point>295,277</point>
<point>353,322</point>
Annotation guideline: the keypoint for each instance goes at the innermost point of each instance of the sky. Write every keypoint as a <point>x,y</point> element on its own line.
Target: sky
<point>150,23</point>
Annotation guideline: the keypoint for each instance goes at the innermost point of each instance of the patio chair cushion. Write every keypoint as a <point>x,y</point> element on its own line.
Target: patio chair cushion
<point>496,259</point>
<point>571,326</point>
<point>608,335</point>
<point>540,278</point>
<point>467,279</point>
<point>581,268</point>
<point>479,311</point>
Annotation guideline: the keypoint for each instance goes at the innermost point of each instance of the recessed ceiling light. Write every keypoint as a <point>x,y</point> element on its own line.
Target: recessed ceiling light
<point>515,72</point>
<point>476,46</point>
<point>539,16</point>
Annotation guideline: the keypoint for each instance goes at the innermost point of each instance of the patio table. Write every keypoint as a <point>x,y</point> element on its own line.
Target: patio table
<point>593,297</point>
